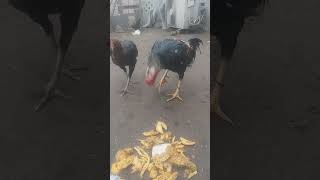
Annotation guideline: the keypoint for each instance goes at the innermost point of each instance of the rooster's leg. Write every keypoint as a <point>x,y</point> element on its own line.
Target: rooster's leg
<point>125,90</point>
<point>68,26</point>
<point>51,90</point>
<point>124,70</point>
<point>67,71</point>
<point>163,80</point>
<point>131,69</point>
<point>176,94</point>
<point>215,97</point>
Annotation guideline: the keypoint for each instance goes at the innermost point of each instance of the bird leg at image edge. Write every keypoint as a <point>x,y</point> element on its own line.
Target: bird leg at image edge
<point>66,70</point>
<point>67,31</point>
<point>215,97</point>
<point>51,90</point>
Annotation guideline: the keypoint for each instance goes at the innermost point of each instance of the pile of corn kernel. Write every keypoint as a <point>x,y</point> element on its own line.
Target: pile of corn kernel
<point>159,167</point>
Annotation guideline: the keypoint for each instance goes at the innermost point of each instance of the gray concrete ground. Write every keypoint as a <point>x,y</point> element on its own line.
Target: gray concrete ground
<point>138,111</point>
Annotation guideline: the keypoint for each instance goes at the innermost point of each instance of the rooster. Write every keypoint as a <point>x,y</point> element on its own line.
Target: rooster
<point>228,19</point>
<point>173,55</point>
<point>124,53</point>
<point>69,11</point>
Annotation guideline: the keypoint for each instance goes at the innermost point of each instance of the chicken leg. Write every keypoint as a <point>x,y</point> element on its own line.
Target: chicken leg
<point>176,95</point>
<point>162,80</point>
<point>67,71</point>
<point>51,90</point>
<point>215,97</point>
<point>125,90</point>
<point>47,27</point>
<point>131,69</point>
<point>68,26</point>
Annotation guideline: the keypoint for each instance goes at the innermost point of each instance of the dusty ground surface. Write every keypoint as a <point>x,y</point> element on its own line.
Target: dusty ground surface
<point>273,79</point>
<point>66,140</point>
<point>138,111</point>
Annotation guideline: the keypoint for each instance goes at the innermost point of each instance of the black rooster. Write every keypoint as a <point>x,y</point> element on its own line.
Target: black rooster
<point>38,11</point>
<point>228,19</point>
<point>173,55</point>
<point>124,53</point>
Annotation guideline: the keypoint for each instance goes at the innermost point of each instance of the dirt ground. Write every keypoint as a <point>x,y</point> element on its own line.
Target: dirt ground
<point>138,111</point>
<point>273,81</point>
<point>65,141</point>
